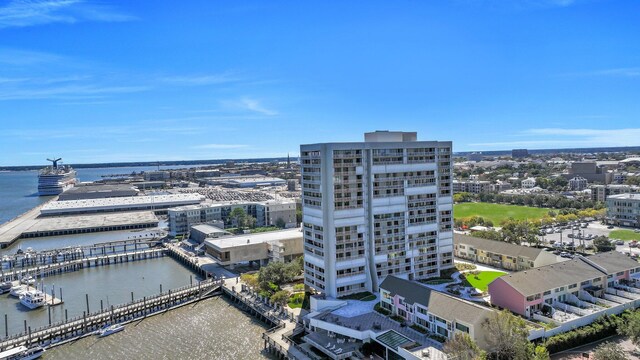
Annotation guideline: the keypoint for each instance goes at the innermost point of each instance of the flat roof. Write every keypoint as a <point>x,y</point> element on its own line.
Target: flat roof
<point>92,188</point>
<point>159,200</point>
<point>257,238</point>
<point>208,229</point>
<point>627,196</point>
<point>53,223</point>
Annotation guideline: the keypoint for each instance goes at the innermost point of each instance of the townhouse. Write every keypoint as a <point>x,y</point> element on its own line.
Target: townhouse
<point>500,254</point>
<point>432,310</point>
<point>605,278</point>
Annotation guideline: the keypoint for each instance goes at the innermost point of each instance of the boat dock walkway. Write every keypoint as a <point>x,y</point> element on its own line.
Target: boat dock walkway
<point>285,325</point>
<point>81,263</point>
<point>88,324</point>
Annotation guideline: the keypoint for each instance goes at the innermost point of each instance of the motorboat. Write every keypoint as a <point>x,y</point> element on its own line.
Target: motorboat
<point>22,353</point>
<point>33,299</point>
<point>18,290</point>
<point>5,287</point>
<point>28,280</point>
<point>111,329</point>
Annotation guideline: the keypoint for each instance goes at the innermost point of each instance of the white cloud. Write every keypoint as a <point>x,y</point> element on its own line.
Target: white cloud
<point>196,80</point>
<point>256,106</point>
<point>219,146</point>
<point>67,92</point>
<point>23,13</point>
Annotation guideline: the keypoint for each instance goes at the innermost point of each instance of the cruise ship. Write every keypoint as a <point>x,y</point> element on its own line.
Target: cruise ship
<point>55,179</point>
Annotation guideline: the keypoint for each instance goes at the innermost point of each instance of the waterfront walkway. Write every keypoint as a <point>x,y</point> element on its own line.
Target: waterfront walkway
<point>285,322</point>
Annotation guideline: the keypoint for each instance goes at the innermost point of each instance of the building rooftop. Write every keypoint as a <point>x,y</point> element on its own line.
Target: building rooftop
<point>122,201</point>
<point>498,247</point>
<point>441,304</point>
<point>613,261</point>
<point>541,279</point>
<point>208,229</point>
<point>624,197</point>
<point>263,237</point>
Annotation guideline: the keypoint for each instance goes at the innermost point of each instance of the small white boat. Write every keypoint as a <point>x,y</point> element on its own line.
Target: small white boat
<point>18,290</point>
<point>111,329</point>
<point>28,280</point>
<point>33,299</point>
<point>22,353</point>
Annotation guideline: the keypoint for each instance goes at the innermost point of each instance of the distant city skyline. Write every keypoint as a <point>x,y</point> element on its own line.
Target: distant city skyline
<point>119,81</point>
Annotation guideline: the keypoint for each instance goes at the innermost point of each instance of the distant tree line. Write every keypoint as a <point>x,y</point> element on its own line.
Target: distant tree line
<point>536,200</point>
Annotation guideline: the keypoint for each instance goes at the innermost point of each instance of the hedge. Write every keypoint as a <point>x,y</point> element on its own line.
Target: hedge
<point>601,328</point>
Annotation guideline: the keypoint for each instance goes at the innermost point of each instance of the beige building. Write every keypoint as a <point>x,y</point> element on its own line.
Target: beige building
<point>283,245</point>
<point>500,254</point>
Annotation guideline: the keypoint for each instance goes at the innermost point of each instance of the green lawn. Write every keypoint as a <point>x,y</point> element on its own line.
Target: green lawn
<point>497,212</point>
<point>625,235</point>
<point>483,279</point>
<point>296,300</point>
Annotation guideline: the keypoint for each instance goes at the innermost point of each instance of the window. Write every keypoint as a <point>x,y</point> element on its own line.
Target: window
<point>462,328</point>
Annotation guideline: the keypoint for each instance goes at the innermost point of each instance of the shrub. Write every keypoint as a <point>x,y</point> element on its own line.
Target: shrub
<point>603,327</point>
<point>381,310</point>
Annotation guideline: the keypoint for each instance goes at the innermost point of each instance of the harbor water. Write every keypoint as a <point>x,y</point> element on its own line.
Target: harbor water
<point>112,284</point>
<point>210,329</point>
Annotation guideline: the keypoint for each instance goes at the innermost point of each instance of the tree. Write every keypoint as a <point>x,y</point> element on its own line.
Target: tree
<point>506,335</point>
<point>609,351</point>
<point>280,223</point>
<point>237,217</point>
<point>602,244</point>
<point>462,347</point>
<point>540,352</point>
<point>250,279</point>
<point>280,297</point>
<point>631,327</point>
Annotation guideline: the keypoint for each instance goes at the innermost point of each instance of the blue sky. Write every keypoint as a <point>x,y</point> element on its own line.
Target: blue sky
<point>101,81</point>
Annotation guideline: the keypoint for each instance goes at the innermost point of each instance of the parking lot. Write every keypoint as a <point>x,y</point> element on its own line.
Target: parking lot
<point>594,229</point>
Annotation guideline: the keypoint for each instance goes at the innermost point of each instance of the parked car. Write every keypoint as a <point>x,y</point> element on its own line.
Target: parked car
<point>619,242</point>
<point>636,230</point>
<point>570,236</point>
<point>610,227</point>
<point>633,244</point>
<point>566,255</point>
<point>584,225</point>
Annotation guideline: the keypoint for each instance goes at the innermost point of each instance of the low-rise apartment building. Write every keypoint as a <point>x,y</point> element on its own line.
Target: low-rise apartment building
<point>500,254</point>
<point>601,192</point>
<point>624,210</point>
<point>471,186</point>
<point>587,282</point>
<point>266,213</point>
<point>434,311</point>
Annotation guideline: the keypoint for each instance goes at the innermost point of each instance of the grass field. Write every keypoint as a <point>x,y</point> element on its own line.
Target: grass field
<point>483,279</point>
<point>497,212</point>
<point>625,235</point>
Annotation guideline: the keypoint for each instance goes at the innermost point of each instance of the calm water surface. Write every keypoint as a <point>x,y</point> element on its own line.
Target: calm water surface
<point>112,284</point>
<point>211,329</point>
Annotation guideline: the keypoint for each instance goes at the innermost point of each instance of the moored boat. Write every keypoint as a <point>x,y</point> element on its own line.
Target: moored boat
<point>18,290</point>
<point>22,353</point>
<point>111,329</point>
<point>33,299</point>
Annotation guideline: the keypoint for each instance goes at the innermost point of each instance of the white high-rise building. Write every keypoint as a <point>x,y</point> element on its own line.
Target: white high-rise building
<point>376,208</point>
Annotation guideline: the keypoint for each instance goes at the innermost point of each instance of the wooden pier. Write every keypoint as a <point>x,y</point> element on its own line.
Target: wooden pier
<point>277,340</point>
<point>190,262</point>
<point>88,324</point>
<point>81,263</point>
